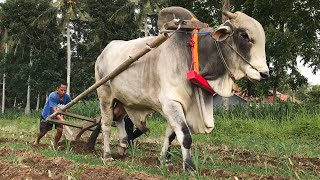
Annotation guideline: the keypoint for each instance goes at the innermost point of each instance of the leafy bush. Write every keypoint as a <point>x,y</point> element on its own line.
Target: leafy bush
<point>12,114</point>
<point>86,108</point>
<point>280,111</point>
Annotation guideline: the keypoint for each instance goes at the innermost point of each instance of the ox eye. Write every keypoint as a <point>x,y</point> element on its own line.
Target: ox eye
<point>245,36</point>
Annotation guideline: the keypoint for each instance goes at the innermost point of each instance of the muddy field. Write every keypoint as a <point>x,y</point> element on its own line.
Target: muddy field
<point>27,164</point>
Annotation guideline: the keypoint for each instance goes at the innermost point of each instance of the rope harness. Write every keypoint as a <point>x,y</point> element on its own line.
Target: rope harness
<point>193,74</point>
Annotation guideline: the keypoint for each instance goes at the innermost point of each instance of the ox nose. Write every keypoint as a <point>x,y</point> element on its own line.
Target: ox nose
<point>264,75</point>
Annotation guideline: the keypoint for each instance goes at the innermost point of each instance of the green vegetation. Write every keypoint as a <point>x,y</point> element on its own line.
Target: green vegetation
<point>36,53</point>
<point>259,139</point>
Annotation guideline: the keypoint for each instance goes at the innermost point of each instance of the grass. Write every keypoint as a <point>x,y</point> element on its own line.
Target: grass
<point>279,132</point>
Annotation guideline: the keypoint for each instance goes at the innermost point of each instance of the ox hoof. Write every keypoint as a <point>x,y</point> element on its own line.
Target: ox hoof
<point>107,160</point>
<point>121,150</point>
<point>168,163</point>
<point>188,165</point>
<point>170,168</point>
<point>107,157</point>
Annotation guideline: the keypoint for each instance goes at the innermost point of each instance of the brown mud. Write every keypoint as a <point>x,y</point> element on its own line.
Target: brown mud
<point>26,164</point>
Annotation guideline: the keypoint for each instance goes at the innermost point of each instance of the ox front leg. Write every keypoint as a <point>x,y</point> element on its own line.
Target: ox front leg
<point>106,120</point>
<point>106,131</point>
<point>165,152</point>
<point>173,112</point>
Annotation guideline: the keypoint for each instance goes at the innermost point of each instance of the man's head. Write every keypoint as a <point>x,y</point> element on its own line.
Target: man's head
<point>62,88</point>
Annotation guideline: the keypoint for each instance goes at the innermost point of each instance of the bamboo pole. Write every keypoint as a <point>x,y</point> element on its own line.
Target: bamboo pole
<point>158,41</point>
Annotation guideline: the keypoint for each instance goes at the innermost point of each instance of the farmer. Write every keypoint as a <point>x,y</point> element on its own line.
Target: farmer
<point>55,100</point>
<point>119,111</point>
<point>132,135</point>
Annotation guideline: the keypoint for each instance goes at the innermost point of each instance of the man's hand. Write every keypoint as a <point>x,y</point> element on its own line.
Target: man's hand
<point>60,117</point>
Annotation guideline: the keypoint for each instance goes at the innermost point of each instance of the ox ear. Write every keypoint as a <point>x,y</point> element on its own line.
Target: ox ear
<point>223,31</point>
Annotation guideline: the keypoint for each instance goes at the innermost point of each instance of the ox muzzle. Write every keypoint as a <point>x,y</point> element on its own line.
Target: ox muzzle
<point>264,75</point>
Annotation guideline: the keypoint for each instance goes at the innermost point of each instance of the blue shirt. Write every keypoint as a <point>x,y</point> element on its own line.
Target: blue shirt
<point>54,101</point>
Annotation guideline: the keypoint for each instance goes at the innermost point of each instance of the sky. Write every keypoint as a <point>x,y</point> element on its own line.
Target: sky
<point>313,79</point>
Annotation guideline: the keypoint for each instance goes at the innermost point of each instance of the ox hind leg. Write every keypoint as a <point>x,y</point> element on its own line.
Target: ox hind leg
<point>165,152</point>
<point>173,112</point>
<point>106,108</point>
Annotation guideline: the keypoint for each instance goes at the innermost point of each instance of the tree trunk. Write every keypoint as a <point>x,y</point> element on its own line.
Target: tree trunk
<point>274,93</point>
<point>27,109</point>
<point>146,27</point>
<point>15,102</point>
<point>47,96</point>
<point>3,92</point>
<point>68,58</point>
<point>38,102</point>
<point>4,83</point>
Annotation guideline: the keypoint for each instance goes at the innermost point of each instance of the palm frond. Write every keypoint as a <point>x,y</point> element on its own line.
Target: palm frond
<point>122,13</point>
<point>147,8</point>
<point>58,4</point>
<point>45,18</point>
<point>71,13</point>
<point>63,22</point>
<point>84,16</point>
<point>136,2</point>
<point>81,14</point>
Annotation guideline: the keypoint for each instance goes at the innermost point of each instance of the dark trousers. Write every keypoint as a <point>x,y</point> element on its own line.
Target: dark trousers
<point>132,135</point>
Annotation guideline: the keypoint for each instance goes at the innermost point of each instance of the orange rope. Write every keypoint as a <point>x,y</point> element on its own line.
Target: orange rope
<point>196,46</point>
<point>195,50</point>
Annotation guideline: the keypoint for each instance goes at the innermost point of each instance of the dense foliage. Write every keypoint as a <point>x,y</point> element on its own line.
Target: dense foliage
<point>292,31</point>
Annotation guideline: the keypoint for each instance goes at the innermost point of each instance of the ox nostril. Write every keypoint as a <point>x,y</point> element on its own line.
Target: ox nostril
<point>264,75</point>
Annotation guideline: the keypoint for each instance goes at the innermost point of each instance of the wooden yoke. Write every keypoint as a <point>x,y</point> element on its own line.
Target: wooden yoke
<point>185,25</point>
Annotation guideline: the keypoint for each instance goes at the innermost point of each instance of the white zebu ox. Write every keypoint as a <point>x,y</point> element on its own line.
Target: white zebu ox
<point>157,82</point>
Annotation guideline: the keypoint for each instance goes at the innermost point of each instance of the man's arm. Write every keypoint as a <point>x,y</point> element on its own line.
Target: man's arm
<point>59,116</point>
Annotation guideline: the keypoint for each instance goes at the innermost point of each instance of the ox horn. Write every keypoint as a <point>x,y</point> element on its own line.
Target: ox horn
<point>230,14</point>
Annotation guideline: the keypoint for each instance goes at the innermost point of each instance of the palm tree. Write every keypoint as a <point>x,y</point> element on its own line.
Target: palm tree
<point>64,12</point>
<point>13,40</point>
<point>4,84</point>
<point>6,42</point>
<point>22,40</point>
<point>4,45</point>
<point>27,109</point>
<point>141,9</point>
<point>3,79</point>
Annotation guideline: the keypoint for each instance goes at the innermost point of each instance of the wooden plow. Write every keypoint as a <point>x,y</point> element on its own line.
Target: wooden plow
<point>93,124</point>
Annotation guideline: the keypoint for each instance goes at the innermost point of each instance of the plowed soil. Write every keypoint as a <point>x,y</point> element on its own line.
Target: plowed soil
<point>26,164</point>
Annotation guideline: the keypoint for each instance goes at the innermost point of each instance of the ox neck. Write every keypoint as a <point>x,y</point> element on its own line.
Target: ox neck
<point>210,62</point>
